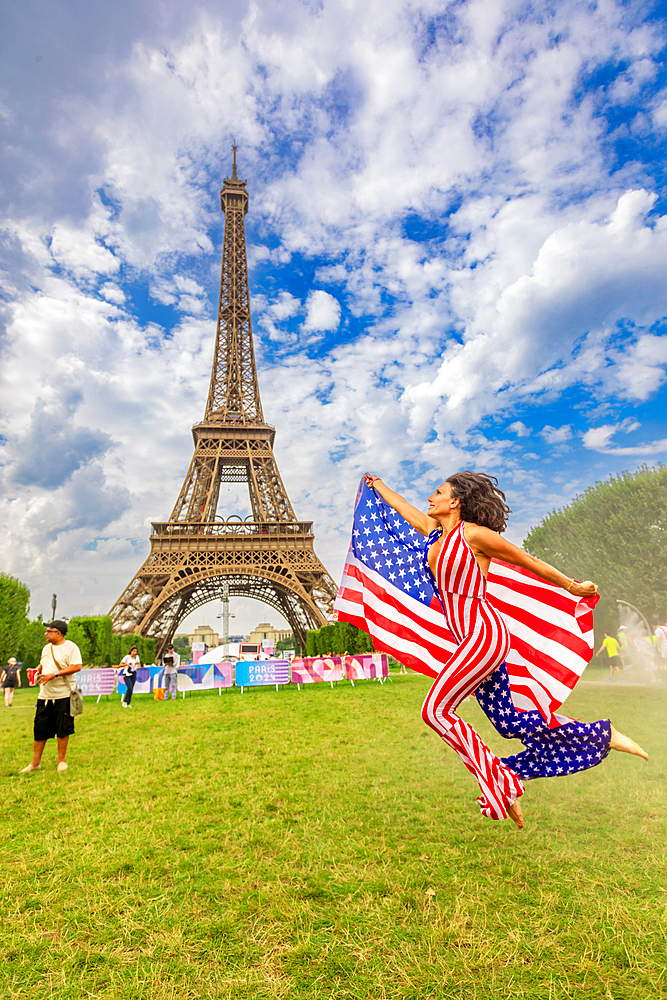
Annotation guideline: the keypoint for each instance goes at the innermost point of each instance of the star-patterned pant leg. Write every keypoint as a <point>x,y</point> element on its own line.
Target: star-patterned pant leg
<point>574,746</point>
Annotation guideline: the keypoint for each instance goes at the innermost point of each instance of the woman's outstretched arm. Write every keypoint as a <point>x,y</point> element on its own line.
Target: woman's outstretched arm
<point>494,546</point>
<point>422,522</point>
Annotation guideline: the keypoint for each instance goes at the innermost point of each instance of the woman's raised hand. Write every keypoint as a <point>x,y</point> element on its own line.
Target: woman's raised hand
<point>585,589</point>
<point>371,479</point>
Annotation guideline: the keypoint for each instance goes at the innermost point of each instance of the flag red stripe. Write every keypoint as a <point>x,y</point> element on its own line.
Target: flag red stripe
<point>386,645</point>
<point>540,628</point>
<point>407,625</point>
<point>399,625</point>
<point>396,599</point>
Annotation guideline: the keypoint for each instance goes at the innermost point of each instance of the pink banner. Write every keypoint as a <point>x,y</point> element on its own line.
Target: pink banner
<point>366,666</point>
<point>315,669</point>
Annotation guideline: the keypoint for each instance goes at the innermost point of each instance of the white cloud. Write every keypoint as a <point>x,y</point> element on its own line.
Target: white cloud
<point>274,314</point>
<point>284,307</point>
<point>520,429</point>
<point>112,293</point>
<point>659,112</point>
<point>628,84</point>
<point>528,335</point>
<point>658,447</point>
<point>600,439</point>
<point>639,368</point>
<point>556,435</point>
<point>322,312</point>
<point>81,253</point>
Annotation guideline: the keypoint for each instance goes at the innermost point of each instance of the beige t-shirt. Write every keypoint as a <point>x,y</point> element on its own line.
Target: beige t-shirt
<point>66,654</point>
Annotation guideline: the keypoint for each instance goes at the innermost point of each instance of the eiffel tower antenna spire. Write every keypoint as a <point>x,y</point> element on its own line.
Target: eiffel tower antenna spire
<point>198,556</point>
<point>234,392</point>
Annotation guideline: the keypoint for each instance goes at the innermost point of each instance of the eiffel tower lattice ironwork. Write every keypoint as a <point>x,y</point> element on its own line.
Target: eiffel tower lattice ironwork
<point>270,555</point>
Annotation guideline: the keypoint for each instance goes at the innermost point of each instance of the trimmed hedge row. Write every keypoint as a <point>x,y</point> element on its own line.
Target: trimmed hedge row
<point>98,644</point>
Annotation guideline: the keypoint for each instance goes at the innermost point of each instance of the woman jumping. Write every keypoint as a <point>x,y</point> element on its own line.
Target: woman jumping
<point>465,517</point>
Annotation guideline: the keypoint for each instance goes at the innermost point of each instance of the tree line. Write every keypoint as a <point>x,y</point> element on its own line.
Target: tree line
<point>614,533</point>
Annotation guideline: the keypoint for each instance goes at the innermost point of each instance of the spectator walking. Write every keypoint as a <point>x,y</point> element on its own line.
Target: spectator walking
<point>646,650</point>
<point>130,665</point>
<point>172,662</point>
<point>613,652</point>
<point>661,636</point>
<point>60,659</point>
<point>10,678</point>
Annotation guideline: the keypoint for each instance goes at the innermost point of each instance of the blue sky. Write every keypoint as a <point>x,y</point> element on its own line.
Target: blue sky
<point>458,247</point>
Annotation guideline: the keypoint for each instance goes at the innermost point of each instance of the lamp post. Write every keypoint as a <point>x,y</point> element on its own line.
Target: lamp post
<point>627,603</point>
<point>225,613</point>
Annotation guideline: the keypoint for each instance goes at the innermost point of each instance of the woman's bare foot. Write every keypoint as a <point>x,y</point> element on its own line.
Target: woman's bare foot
<point>623,743</point>
<point>515,814</point>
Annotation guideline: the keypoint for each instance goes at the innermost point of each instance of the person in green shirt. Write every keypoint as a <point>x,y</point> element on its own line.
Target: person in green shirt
<point>623,645</point>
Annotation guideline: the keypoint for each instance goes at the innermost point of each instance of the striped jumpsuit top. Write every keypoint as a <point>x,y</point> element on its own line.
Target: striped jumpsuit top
<point>483,643</point>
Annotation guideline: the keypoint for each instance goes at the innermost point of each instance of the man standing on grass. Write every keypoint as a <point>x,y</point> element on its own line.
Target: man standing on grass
<point>172,662</point>
<point>60,659</point>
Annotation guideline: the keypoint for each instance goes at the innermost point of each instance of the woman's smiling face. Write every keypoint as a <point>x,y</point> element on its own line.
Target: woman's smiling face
<point>441,502</point>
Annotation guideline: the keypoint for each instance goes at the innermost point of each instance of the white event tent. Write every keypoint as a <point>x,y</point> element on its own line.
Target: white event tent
<point>217,655</point>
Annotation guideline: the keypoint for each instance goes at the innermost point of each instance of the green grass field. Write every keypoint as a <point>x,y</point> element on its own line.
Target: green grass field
<point>324,843</point>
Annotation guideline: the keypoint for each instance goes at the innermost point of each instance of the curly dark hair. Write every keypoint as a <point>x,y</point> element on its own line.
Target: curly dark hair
<point>481,500</point>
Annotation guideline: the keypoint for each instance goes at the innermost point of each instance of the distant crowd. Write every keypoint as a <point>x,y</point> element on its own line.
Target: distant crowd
<point>635,650</point>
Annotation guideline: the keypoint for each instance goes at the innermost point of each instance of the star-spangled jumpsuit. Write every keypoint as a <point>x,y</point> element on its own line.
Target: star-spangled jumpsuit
<point>573,746</point>
<point>483,643</point>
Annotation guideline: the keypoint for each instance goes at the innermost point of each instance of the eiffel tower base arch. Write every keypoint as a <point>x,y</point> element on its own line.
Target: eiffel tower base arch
<point>190,562</point>
<point>165,620</point>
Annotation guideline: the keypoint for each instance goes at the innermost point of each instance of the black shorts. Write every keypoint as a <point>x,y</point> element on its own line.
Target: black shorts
<point>8,684</point>
<point>615,661</point>
<point>52,718</point>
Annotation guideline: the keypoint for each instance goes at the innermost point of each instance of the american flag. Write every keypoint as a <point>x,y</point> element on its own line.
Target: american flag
<point>387,591</point>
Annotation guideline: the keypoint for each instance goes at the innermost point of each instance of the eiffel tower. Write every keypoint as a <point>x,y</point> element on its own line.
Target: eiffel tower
<point>198,556</point>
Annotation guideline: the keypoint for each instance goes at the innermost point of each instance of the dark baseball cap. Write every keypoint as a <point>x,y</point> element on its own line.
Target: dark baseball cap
<point>60,626</point>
